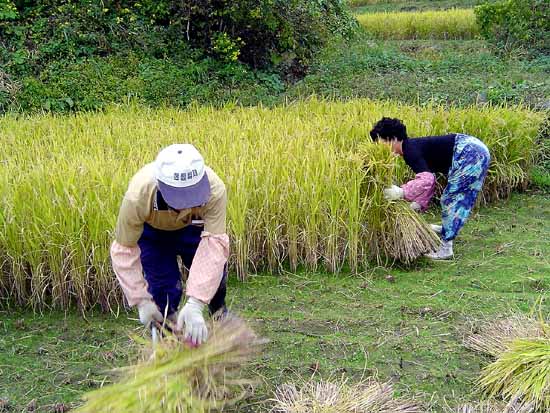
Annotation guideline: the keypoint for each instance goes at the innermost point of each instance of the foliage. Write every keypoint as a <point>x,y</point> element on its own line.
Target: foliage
<point>513,24</point>
<point>424,72</point>
<point>93,83</point>
<point>210,50</point>
<point>257,33</point>
<point>8,11</point>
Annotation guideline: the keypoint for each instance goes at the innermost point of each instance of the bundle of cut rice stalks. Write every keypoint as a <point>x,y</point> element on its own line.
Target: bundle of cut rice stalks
<point>521,372</point>
<point>493,337</point>
<point>495,407</point>
<point>367,396</point>
<point>394,230</point>
<point>174,378</point>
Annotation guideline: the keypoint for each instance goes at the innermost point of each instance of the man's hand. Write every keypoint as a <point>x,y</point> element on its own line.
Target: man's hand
<point>149,312</point>
<point>195,327</point>
<point>393,192</point>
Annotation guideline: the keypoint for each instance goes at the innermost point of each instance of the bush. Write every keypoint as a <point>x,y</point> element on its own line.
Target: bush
<point>93,83</point>
<point>513,24</point>
<point>267,31</point>
<point>257,33</point>
<point>45,43</point>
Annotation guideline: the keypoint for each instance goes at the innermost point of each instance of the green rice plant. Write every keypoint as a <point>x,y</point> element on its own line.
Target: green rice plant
<point>175,378</point>
<point>521,372</point>
<point>295,185</point>
<point>432,24</point>
<point>394,230</point>
<point>325,396</point>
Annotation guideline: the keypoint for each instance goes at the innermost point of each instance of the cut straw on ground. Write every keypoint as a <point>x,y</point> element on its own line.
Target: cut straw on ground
<point>520,374</point>
<point>496,407</point>
<point>327,396</point>
<point>174,378</point>
<point>493,337</point>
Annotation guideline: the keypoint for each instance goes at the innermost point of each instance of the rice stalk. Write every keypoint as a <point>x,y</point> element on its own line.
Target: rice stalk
<point>295,185</point>
<point>172,377</point>
<point>514,406</point>
<point>521,372</point>
<point>394,231</point>
<point>494,337</point>
<point>325,396</point>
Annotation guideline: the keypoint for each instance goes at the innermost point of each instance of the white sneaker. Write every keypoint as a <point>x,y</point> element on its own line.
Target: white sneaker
<point>445,252</point>
<point>436,228</point>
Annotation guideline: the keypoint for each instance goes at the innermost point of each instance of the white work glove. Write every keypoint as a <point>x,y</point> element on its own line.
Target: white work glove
<point>415,206</point>
<point>148,312</point>
<point>393,192</point>
<point>195,327</point>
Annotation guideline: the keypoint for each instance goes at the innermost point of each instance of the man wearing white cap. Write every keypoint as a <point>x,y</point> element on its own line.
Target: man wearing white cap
<point>175,206</point>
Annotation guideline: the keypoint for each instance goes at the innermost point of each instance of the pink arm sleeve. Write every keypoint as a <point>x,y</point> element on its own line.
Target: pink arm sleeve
<point>206,271</point>
<point>128,270</point>
<point>420,189</point>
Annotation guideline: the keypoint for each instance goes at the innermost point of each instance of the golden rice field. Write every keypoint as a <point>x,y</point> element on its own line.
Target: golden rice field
<point>358,3</point>
<point>292,173</point>
<point>432,24</point>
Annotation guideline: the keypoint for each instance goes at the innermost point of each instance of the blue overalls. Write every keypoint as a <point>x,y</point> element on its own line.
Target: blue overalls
<point>159,252</point>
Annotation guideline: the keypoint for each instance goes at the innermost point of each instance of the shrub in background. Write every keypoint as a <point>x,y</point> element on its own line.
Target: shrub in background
<point>513,24</point>
<point>44,36</point>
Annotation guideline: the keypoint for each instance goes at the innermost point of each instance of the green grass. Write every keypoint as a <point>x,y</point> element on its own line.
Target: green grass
<point>407,329</point>
<point>56,357</point>
<point>540,177</point>
<point>423,71</point>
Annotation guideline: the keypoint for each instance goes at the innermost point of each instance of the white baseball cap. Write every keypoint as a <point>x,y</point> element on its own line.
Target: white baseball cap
<point>181,176</point>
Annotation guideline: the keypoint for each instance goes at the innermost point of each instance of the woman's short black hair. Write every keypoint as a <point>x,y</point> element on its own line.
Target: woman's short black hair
<point>389,129</point>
